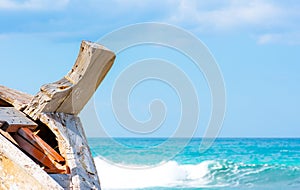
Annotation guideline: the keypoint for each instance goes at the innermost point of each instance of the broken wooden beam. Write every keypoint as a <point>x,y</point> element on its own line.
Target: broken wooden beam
<point>18,170</point>
<point>13,97</point>
<point>35,153</point>
<point>12,119</point>
<point>40,144</point>
<point>74,146</point>
<point>70,94</point>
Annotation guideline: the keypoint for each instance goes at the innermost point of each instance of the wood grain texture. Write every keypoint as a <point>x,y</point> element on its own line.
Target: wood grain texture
<point>62,179</point>
<point>40,144</point>
<point>56,106</point>
<point>14,97</point>
<point>13,119</point>
<point>18,171</point>
<point>74,147</point>
<point>70,94</point>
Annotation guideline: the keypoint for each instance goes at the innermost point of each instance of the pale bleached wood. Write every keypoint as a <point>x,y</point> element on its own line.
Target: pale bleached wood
<point>18,171</point>
<point>14,97</point>
<point>14,119</point>
<point>74,146</point>
<point>70,94</point>
<point>63,100</point>
<point>8,137</point>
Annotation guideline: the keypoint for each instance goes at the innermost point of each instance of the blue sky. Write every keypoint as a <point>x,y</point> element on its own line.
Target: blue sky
<point>255,43</point>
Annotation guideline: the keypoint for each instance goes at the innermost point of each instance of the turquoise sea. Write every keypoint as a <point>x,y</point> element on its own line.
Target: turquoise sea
<point>230,163</point>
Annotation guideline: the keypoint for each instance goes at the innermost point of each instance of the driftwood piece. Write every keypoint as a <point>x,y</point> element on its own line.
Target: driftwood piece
<point>70,94</point>
<point>74,146</point>
<point>18,171</point>
<point>13,119</point>
<point>16,98</point>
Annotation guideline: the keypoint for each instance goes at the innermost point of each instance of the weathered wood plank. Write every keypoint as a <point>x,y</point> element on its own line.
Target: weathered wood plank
<point>16,98</point>
<point>33,151</point>
<point>18,171</point>
<point>70,94</point>
<point>37,142</point>
<point>12,119</point>
<point>62,179</point>
<point>57,105</point>
<point>74,147</point>
<point>8,137</point>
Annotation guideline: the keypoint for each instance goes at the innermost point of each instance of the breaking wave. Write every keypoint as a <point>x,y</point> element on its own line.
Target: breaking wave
<point>207,174</point>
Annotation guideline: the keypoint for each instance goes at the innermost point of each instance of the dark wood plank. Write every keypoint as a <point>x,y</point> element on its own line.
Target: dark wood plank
<point>40,144</point>
<point>38,155</point>
<point>4,103</point>
<point>33,151</point>
<point>2,123</point>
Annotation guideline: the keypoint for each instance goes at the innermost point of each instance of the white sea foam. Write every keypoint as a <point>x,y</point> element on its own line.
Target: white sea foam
<point>169,174</point>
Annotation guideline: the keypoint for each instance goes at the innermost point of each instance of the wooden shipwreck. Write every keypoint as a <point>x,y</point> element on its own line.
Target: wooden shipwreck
<point>42,141</point>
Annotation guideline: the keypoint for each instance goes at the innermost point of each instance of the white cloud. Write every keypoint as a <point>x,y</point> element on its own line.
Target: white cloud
<point>269,21</point>
<point>227,16</point>
<point>268,38</point>
<point>292,38</point>
<point>33,4</point>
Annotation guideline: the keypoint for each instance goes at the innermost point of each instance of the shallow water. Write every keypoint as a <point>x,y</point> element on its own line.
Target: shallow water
<point>172,164</point>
